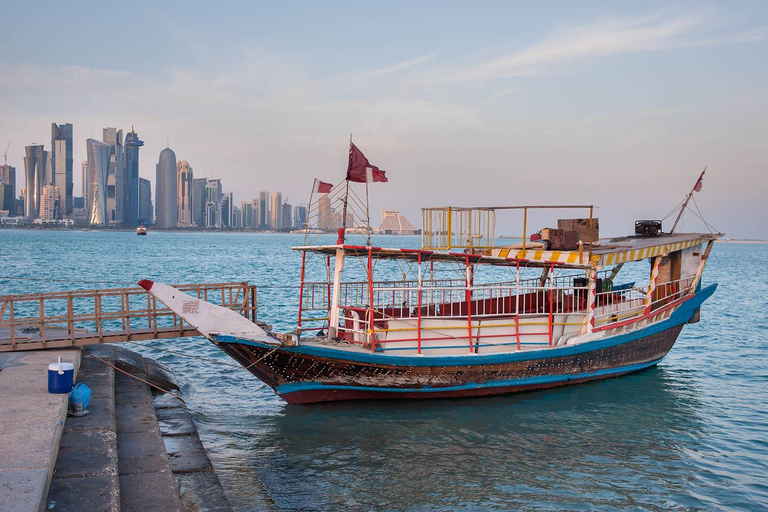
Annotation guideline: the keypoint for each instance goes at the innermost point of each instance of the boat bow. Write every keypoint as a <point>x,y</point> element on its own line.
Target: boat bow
<point>209,319</point>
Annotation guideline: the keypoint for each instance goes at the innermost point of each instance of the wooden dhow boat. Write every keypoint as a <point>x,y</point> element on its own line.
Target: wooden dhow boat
<point>465,317</point>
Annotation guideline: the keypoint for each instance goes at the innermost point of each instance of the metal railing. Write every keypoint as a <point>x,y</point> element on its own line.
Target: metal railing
<point>60,319</point>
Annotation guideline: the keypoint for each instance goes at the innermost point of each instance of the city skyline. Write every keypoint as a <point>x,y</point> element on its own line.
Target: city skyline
<point>591,102</point>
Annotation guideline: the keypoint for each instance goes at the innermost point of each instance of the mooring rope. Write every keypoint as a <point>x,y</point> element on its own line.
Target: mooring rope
<point>135,377</point>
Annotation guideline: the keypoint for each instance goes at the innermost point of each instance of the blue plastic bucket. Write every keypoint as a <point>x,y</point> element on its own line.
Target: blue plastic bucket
<point>61,382</point>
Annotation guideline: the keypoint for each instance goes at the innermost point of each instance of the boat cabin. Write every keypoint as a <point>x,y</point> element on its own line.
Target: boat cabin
<point>467,291</point>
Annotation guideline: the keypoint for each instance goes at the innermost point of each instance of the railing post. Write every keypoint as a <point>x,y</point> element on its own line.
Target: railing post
<point>418,319</point>
<point>13,325</point>
<point>42,320</point>
<point>70,320</point>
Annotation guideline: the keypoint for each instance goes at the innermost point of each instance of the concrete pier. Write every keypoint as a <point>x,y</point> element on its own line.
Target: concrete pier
<point>134,451</point>
<point>31,423</point>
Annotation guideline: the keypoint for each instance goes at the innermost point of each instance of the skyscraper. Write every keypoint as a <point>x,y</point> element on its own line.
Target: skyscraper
<point>131,189</point>
<point>98,175</point>
<point>324,213</point>
<point>116,180</point>
<point>36,177</point>
<point>198,201</point>
<point>299,217</point>
<point>166,209</point>
<point>145,202</point>
<point>62,165</point>
<point>276,210</point>
<point>256,213</point>
<point>264,209</point>
<point>8,198</point>
<point>246,214</point>
<point>287,210</point>
<point>213,197</point>
<point>50,209</point>
<point>226,210</point>
<point>184,194</point>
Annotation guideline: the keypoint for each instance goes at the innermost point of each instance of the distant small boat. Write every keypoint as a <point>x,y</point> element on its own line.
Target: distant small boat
<point>141,230</point>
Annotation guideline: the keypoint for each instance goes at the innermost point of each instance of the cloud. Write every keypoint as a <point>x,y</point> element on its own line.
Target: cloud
<point>404,65</point>
<point>604,38</point>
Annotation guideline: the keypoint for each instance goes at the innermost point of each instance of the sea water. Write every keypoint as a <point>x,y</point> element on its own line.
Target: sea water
<point>689,434</point>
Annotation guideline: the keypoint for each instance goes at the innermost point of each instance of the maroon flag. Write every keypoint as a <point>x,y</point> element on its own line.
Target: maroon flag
<point>697,186</point>
<point>322,187</point>
<point>360,170</point>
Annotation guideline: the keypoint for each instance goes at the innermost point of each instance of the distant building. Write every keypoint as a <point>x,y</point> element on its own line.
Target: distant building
<point>237,218</point>
<point>299,217</point>
<point>184,194</point>
<point>50,204</point>
<point>78,203</point>
<point>287,211</point>
<point>166,208</point>
<point>226,210</point>
<point>61,165</point>
<point>116,179</point>
<point>98,176</point>
<point>393,223</point>
<point>36,177</point>
<point>8,196</point>
<point>131,205</point>
<point>325,213</point>
<point>246,214</point>
<point>213,195</point>
<point>264,209</point>
<point>145,202</point>
<point>276,210</point>
<point>256,221</point>
<point>198,201</point>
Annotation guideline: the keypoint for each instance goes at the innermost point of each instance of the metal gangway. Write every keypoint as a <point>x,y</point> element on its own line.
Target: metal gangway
<point>87,317</point>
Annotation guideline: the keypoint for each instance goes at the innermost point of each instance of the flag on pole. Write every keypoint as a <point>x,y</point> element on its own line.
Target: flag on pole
<point>360,170</point>
<point>697,186</point>
<point>321,187</point>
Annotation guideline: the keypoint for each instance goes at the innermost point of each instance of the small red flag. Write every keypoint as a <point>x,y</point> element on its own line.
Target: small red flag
<point>322,187</point>
<point>359,168</point>
<point>697,186</point>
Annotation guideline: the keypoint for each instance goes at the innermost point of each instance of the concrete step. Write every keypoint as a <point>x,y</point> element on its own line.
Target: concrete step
<point>85,476</point>
<point>146,479</point>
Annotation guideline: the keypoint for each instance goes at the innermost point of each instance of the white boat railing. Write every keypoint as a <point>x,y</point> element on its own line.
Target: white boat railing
<point>501,314</point>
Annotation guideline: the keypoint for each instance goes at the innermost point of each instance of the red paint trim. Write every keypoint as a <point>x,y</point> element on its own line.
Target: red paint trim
<point>644,317</point>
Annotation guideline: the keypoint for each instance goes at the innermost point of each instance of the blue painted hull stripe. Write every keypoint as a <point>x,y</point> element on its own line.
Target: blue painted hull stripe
<point>537,380</point>
<point>680,316</point>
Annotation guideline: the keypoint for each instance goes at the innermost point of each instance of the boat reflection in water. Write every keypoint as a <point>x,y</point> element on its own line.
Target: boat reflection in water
<point>638,437</point>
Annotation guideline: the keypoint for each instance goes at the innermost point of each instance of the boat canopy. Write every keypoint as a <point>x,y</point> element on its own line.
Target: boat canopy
<point>609,252</point>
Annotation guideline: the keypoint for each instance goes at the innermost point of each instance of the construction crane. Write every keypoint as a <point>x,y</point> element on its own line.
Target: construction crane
<point>5,155</point>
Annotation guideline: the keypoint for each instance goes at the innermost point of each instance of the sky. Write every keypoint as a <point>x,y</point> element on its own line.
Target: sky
<point>616,104</point>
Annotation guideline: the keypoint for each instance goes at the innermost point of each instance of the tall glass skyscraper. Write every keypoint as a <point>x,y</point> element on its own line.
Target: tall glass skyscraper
<point>62,165</point>
<point>98,176</point>
<point>36,177</point>
<point>145,202</point>
<point>264,208</point>
<point>116,180</point>
<point>184,193</point>
<point>213,197</point>
<point>131,186</point>
<point>166,209</point>
<point>198,201</point>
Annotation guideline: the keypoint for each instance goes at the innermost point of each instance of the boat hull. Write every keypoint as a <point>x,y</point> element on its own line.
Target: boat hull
<point>304,374</point>
<point>305,378</point>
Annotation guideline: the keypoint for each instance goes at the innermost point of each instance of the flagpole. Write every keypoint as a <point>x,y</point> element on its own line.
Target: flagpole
<point>343,230</point>
<point>309,209</point>
<point>685,203</point>
<point>367,210</point>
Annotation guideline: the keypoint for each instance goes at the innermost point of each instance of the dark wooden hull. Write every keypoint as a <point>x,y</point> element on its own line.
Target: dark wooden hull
<point>302,377</point>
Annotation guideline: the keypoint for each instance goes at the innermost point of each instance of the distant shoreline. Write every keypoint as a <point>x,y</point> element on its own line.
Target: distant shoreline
<point>742,241</point>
